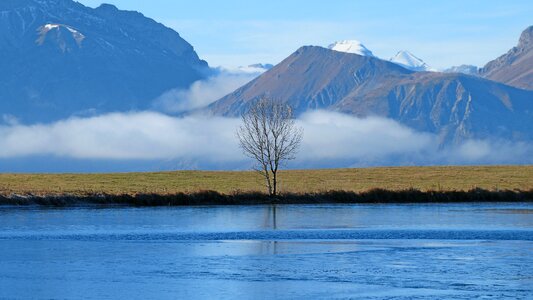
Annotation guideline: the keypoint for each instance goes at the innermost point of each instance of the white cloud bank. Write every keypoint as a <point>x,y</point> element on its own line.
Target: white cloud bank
<point>204,92</point>
<point>145,135</point>
<point>330,139</point>
<point>330,135</point>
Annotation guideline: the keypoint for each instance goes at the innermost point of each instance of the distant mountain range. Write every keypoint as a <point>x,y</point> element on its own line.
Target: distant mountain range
<point>514,68</point>
<point>465,69</point>
<point>409,61</point>
<point>455,106</point>
<point>403,58</point>
<point>60,58</point>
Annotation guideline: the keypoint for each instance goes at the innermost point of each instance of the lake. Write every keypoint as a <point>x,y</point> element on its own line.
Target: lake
<point>452,251</point>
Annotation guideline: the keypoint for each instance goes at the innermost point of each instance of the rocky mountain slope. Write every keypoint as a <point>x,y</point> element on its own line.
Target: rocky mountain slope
<point>60,58</point>
<point>454,106</point>
<point>516,66</point>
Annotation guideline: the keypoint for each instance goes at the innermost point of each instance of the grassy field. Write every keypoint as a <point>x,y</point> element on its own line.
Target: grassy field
<point>298,181</point>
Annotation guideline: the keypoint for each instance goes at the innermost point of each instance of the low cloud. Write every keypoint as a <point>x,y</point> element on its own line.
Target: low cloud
<point>125,136</point>
<point>9,119</point>
<point>340,140</point>
<point>330,140</point>
<point>330,135</point>
<point>204,92</point>
<point>495,151</point>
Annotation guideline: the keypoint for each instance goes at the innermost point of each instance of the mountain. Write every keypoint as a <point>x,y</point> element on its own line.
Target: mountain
<point>60,58</point>
<point>407,60</point>
<point>465,69</point>
<point>351,46</point>
<point>311,78</point>
<point>516,66</point>
<point>454,106</point>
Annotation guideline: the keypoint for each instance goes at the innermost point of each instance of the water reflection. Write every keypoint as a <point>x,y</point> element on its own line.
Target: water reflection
<point>271,217</point>
<point>269,247</point>
<point>274,217</point>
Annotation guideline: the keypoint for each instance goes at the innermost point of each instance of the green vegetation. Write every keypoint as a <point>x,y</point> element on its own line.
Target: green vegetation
<point>440,179</point>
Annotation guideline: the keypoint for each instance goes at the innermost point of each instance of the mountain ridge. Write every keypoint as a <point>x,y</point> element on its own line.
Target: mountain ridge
<point>61,58</point>
<point>454,106</point>
<point>516,66</point>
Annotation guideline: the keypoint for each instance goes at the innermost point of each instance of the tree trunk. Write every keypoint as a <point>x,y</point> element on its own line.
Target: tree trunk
<point>268,183</point>
<point>269,187</point>
<point>274,183</point>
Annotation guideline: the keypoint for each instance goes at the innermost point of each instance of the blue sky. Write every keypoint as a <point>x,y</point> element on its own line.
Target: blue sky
<point>240,32</point>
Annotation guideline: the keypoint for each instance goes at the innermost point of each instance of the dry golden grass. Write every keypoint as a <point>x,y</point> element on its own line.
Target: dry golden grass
<point>297,181</point>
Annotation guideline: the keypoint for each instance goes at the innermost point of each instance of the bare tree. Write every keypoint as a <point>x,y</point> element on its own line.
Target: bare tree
<point>270,136</point>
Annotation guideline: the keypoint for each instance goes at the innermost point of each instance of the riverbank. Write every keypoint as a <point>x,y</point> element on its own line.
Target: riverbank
<point>214,198</point>
<point>363,185</point>
<point>450,178</point>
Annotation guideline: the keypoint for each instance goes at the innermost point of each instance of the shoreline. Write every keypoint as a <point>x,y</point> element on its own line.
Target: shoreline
<point>209,198</point>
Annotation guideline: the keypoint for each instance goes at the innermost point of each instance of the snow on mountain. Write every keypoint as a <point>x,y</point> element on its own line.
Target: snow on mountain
<point>465,69</point>
<point>45,29</point>
<point>60,58</point>
<point>351,46</point>
<point>402,58</point>
<point>407,60</point>
<point>49,27</point>
<point>454,106</point>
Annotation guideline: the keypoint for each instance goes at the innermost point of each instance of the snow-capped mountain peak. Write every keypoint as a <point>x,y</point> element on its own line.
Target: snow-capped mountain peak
<point>409,61</point>
<point>351,46</point>
<point>43,31</point>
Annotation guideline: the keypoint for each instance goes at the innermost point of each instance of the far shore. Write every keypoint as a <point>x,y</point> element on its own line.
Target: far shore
<point>442,184</point>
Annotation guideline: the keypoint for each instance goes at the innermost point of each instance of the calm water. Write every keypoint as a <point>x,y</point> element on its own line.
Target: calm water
<point>328,251</point>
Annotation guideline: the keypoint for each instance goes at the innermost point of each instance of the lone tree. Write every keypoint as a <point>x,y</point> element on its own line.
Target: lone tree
<point>269,135</point>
